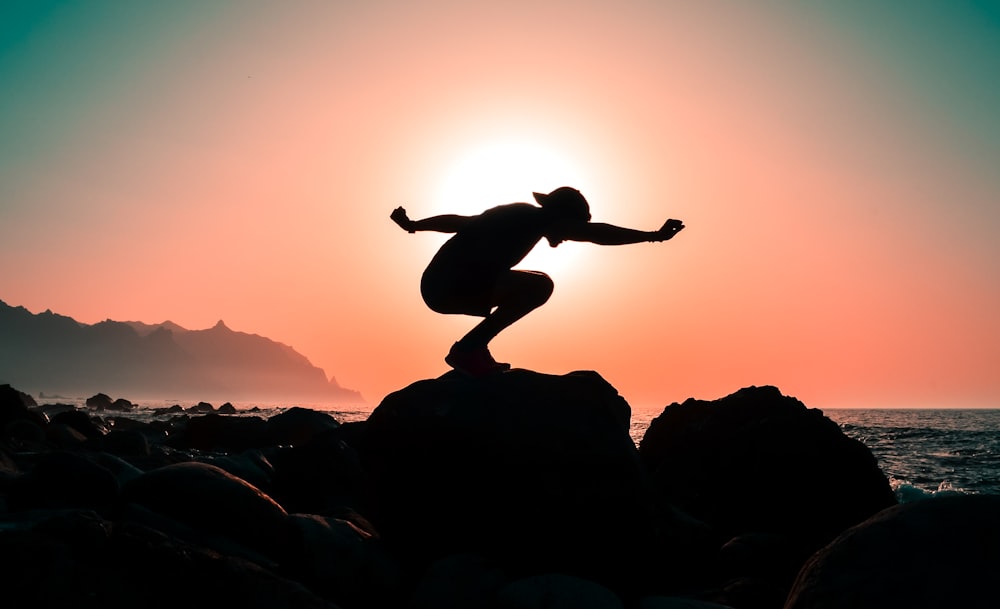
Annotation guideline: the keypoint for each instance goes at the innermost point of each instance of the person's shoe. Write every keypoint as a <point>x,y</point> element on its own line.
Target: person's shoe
<point>489,356</point>
<point>474,362</point>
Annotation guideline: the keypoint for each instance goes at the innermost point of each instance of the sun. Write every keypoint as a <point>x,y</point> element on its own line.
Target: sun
<point>509,170</point>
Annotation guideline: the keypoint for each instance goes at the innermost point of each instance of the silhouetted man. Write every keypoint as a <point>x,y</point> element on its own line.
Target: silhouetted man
<point>472,272</point>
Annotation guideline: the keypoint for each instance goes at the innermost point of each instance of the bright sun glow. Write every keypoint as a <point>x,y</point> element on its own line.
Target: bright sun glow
<point>508,171</point>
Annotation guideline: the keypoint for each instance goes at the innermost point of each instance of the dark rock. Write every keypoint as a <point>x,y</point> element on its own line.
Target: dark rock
<point>100,401</point>
<point>297,426</point>
<point>122,470</point>
<point>250,465</point>
<point>555,590</point>
<point>227,408</point>
<point>24,434</point>
<point>209,499</point>
<point>678,602</point>
<point>14,406</point>
<point>8,466</point>
<point>50,410</point>
<point>760,462</point>
<point>63,436</point>
<point>10,398</point>
<point>126,443</point>
<point>536,472</point>
<point>175,409</point>
<point>215,432</point>
<point>65,479</point>
<point>201,408</point>
<point>938,552</point>
<point>459,581</point>
<point>343,561</point>
<point>121,405</point>
<point>80,421</point>
<point>79,560</point>
<point>154,432</point>
<point>756,569</point>
<point>322,476</point>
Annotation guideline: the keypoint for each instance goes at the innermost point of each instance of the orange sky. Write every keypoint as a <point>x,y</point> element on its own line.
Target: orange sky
<point>239,161</point>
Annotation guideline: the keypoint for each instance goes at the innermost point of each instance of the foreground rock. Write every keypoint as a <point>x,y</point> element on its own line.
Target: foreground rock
<point>536,472</point>
<point>78,559</point>
<point>775,480</point>
<point>940,552</point>
<point>510,491</point>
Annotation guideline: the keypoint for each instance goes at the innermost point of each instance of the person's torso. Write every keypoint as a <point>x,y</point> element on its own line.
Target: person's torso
<point>494,241</point>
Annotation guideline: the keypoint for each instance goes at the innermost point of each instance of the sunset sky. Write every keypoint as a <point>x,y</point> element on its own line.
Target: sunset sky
<point>837,166</point>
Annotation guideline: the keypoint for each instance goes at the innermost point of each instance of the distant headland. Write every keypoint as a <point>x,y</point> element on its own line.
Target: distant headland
<point>52,354</point>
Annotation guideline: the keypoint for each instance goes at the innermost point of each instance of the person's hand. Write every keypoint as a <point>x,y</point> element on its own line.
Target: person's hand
<point>669,229</point>
<point>399,216</point>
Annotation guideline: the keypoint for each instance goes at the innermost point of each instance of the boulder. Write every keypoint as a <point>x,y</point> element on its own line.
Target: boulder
<point>216,432</point>
<point>459,581</point>
<point>126,443</point>
<point>937,552</point>
<point>77,559</point>
<point>63,436</point>
<point>343,561</point>
<point>673,602</point>
<point>80,421</point>
<point>14,406</point>
<point>100,401</point>
<point>297,426</point>
<point>535,472</point>
<point>322,476</point>
<point>250,466</point>
<point>10,398</point>
<point>121,405</point>
<point>758,462</point>
<point>200,408</point>
<point>209,499</point>
<point>555,591</point>
<point>65,479</point>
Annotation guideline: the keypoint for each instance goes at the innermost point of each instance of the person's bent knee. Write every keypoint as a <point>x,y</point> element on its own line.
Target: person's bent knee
<point>542,287</point>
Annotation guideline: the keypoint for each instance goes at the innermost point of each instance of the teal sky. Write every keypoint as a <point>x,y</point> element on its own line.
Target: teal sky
<point>946,54</point>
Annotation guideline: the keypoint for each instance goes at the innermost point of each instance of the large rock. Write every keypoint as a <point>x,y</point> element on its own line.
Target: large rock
<point>535,472</point>
<point>343,561</point>
<point>14,407</point>
<point>758,462</point>
<point>939,552</point>
<point>209,499</point>
<point>99,401</point>
<point>62,479</point>
<point>77,559</point>
<point>322,476</point>
<point>297,426</point>
<point>223,433</point>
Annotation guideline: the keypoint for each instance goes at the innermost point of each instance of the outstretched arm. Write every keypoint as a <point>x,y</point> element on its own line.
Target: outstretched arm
<point>609,234</point>
<point>448,223</point>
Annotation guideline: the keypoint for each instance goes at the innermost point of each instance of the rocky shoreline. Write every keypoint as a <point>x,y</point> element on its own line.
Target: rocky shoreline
<point>522,490</point>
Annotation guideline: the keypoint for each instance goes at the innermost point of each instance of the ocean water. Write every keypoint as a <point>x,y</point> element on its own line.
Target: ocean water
<point>927,452</point>
<point>923,452</point>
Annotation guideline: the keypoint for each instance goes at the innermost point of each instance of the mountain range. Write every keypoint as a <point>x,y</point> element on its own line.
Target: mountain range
<point>55,354</point>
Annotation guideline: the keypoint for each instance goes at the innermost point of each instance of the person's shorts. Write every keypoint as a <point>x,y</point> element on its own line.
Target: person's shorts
<point>464,293</point>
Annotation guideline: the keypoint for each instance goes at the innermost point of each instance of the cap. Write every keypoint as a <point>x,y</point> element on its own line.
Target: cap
<point>566,201</point>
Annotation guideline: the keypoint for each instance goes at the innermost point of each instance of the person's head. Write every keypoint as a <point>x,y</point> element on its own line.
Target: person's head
<point>566,207</point>
<point>566,203</point>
